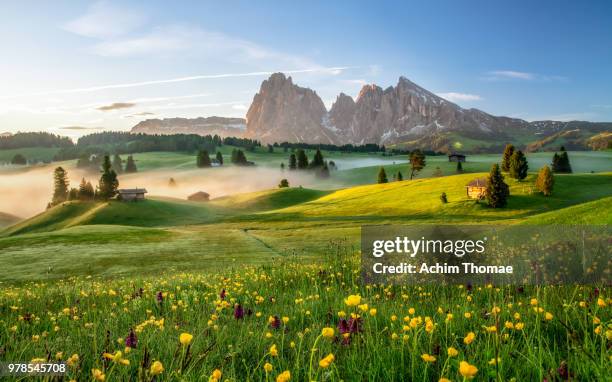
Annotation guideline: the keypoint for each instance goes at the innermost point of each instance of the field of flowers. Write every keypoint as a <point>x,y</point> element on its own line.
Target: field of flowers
<point>306,322</point>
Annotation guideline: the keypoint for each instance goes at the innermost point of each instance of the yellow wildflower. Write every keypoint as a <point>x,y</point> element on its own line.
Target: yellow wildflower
<point>156,368</point>
<point>467,370</point>
<point>185,339</point>
<point>452,352</point>
<point>328,332</point>
<point>428,358</point>
<point>285,376</point>
<point>469,338</point>
<point>327,360</point>
<point>353,300</point>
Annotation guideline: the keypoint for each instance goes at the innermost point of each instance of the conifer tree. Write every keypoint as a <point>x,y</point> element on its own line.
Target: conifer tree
<point>130,165</point>
<point>203,160</point>
<point>459,167</point>
<point>508,151</point>
<point>317,160</point>
<point>497,190</point>
<point>117,164</point>
<point>323,172</point>
<point>284,183</point>
<point>219,158</point>
<point>60,183</point>
<point>302,160</point>
<point>108,184</point>
<point>417,162</point>
<point>86,191</point>
<point>545,181</point>
<point>400,177</point>
<point>292,162</point>
<point>518,165</point>
<point>382,176</point>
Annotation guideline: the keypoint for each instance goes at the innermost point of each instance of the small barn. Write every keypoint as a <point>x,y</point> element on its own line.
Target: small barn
<point>454,157</point>
<point>199,196</point>
<point>131,194</point>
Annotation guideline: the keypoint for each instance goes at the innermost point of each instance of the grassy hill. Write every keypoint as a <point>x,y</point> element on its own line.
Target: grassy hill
<point>268,199</point>
<point>7,219</point>
<point>595,212</point>
<point>148,213</point>
<point>420,199</point>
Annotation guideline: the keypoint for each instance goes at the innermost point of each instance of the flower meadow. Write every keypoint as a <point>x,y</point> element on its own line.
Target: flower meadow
<point>296,321</point>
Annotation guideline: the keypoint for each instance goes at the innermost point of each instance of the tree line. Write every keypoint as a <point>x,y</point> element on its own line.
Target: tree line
<point>40,139</point>
<point>300,161</point>
<point>365,148</point>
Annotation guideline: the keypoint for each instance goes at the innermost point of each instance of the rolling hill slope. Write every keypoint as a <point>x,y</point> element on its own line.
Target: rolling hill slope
<point>7,219</point>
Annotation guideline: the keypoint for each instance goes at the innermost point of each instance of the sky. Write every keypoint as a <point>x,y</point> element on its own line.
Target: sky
<point>77,67</point>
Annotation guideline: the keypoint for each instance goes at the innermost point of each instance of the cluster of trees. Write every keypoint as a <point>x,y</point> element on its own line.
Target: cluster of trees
<point>300,161</point>
<point>94,161</point>
<point>21,140</point>
<point>514,162</point>
<point>107,186</point>
<point>203,159</point>
<point>382,176</point>
<point>561,163</point>
<point>239,159</point>
<point>245,143</point>
<point>366,148</point>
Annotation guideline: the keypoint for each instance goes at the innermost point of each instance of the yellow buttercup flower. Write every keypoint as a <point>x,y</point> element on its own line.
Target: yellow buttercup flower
<point>353,300</point>
<point>467,370</point>
<point>452,352</point>
<point>268,367</point>
<point>215,376</point>
<point>469,338</point>
<point>273,351</point>
<point>327,360</point>
<point>428,358</point>
<point>494,361</point>
<point>548,316</point>
<point>185,339</point>
<point>156,368</point>
<point>328,332</point>
<point>285,376</point>
<point>98,375</point>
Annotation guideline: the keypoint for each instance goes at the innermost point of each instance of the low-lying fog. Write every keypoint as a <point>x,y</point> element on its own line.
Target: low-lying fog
<point>26,192</point>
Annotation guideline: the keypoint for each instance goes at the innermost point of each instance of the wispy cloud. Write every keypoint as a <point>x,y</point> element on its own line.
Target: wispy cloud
<point>501,75</point>
<point>105,20</point>
<point>460,97</point>
<point>116,106</point>
<point>324,70</point>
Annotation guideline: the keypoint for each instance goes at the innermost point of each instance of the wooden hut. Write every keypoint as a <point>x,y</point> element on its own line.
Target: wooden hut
<point>477,188</point>
<point>131,194</point>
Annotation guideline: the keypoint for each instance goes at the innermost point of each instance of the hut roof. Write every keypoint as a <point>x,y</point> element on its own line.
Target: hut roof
<point>478,182</point>
<point>132,190</point>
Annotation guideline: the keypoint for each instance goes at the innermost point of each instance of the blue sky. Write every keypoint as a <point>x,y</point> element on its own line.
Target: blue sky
<point>63,61</point>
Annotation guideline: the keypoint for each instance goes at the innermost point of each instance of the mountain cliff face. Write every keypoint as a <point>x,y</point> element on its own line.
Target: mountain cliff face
<point>282,111</point>
<point>224,127</point>
<point>403,114</point>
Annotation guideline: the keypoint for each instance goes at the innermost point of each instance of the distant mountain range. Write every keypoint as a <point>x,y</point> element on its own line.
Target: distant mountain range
<point>406,115</point>
<point>224,127</point>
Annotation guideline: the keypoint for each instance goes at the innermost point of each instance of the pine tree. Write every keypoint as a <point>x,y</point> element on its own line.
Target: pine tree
<point>171,183</point>
<point>518,165</point>
<point>382,176</point>
<point>284,183</point>
<point>400,177</point>
<point>282,167</point>
<point>497,190</point>
<point>545,181</point>
<point>417,162</point>
<point>508,151</point>
<point>292,162</point>
<point>73,194</point>
<point>302,160</point>
<point>108,184</point>
<point>61,183</point>
<point>117,164</point>
<point>203,160</point>
<point>219,158</point>
<point>86,191</point>
<point>566,167</point>
<point>459,167</point>
<point>130,165</point>
<point>317,160</point>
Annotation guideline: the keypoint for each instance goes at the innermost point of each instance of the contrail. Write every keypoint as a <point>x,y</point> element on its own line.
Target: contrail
<point>332,70</point>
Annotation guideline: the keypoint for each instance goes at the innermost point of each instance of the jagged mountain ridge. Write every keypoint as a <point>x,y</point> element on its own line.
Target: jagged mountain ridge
<point>403,114</point>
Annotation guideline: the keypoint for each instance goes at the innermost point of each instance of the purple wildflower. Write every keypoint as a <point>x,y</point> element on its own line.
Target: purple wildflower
<point>238,312</point>
<point>131,341</point>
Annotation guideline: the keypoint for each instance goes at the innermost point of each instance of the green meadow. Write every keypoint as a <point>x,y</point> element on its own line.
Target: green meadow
<point>163,233</point>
